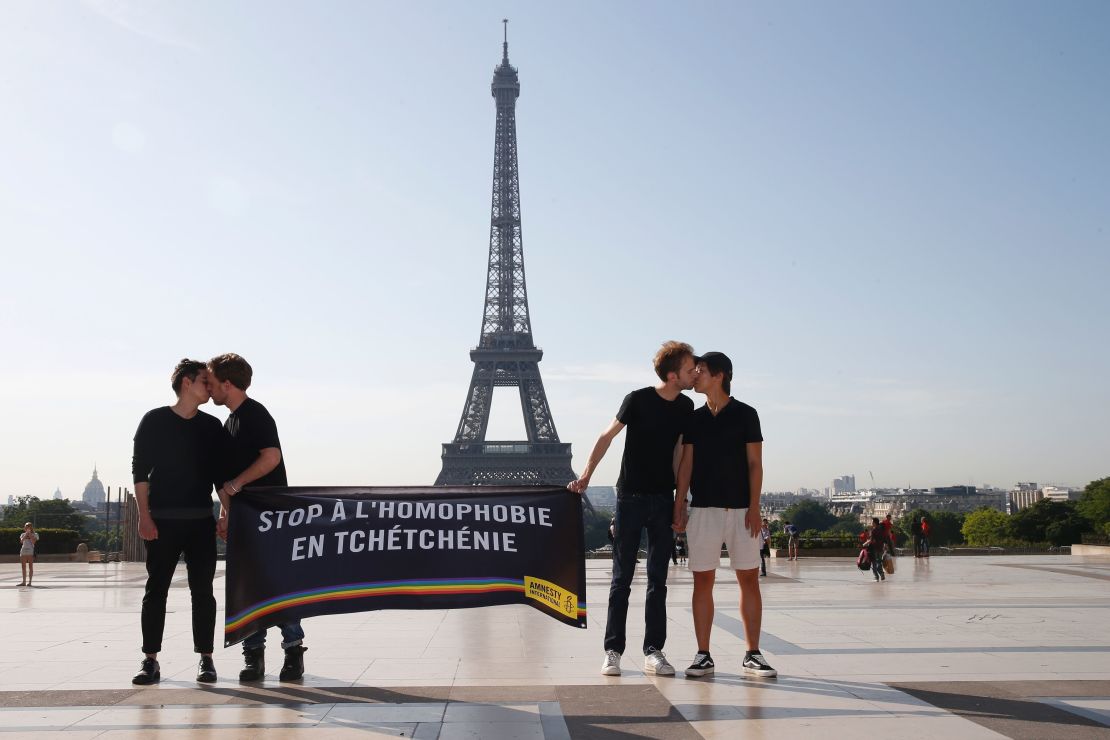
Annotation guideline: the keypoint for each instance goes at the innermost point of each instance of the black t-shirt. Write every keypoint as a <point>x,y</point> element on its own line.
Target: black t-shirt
<point>720,475</point>
<point>181,459</point>
<point>654,426</point>
<point>252,430</point>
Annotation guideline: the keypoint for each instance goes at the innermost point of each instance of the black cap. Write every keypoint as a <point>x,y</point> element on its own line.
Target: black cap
<point>717,362</point>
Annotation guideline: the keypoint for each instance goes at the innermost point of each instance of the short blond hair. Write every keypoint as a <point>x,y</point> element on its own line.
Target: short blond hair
<point>670,357</point>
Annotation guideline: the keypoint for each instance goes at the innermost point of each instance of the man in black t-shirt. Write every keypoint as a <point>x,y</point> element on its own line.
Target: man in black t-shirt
<point>257,458</point>
<point>722,464</point>
<point>178,458</point>
<point>656,417</point>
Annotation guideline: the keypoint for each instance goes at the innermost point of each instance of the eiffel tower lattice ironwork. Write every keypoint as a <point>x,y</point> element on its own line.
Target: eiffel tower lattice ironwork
<point>506,354</point>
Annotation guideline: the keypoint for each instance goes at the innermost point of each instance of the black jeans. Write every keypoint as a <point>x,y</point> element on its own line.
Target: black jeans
<point>196,538</point>
<point>635,514</point>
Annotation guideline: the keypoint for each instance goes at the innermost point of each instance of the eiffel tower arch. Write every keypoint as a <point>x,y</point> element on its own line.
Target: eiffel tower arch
<point>506,355</point>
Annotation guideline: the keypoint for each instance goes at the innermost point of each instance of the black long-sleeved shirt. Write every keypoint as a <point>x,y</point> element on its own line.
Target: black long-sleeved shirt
<point>181,459</point>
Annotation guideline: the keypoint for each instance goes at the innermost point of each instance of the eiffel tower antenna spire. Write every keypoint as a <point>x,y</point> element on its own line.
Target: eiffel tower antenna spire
<point>506,354</point>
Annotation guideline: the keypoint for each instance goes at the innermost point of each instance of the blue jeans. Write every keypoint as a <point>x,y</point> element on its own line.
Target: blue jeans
<point>635,514</point>
<point>291,636</point>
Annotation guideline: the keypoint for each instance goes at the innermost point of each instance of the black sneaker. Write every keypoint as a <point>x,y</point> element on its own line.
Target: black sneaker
<point>206,671</point>
<point>148,673</point>
<point>294,664</point>
<point>757,665</point>
<point>702,666</point>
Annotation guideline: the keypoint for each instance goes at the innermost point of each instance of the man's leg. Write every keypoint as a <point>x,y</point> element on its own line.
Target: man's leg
<point>628,524</point>
<point>291,638</point>
<point>200,562</point>
<point>751,606</point>
<point>703,608</point>
<point>660,536</point>
<point>161,561</point>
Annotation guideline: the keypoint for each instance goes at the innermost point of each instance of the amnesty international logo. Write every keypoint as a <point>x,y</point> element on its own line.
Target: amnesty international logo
<point>548,593</point>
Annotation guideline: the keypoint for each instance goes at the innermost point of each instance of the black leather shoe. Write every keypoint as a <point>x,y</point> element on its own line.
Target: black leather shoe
<point>294,664</point>
<point>254,664</point>
<point>148,673</point>
<point>206,671</point>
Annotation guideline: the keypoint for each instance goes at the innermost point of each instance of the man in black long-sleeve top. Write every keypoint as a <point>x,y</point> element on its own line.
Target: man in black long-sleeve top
<point>179,457</point>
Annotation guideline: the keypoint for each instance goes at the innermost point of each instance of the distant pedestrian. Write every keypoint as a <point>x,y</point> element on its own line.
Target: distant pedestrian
<point>915,533</point>
<point>791,540</point>
<point>27,539</point>
<point>925,529</point>
<point>681,540</point>
<point>891,535</point>
<point>764,546</point>
<point>877,544</point>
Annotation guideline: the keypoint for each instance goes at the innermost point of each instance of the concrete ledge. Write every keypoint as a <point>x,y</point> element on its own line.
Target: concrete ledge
<point>51,558</point>
<point>1087,551</point>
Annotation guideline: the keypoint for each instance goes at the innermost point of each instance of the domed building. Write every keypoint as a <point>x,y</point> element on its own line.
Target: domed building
<point>94,491</point>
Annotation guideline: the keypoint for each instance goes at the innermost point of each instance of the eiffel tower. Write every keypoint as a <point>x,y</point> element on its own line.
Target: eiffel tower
<point>506,354</point>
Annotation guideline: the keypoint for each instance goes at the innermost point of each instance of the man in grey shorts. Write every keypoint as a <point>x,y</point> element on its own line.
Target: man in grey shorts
<point>722,466</point>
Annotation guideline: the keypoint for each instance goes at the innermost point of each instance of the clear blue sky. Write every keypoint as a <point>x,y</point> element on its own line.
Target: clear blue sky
<point>893,216</point>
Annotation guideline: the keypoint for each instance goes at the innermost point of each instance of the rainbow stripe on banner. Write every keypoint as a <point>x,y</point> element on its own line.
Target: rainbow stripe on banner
<point>442,586</point>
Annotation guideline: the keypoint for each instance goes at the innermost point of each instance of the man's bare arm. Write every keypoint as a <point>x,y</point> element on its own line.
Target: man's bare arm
<point>754,451</point>
<point>598,452</point>
<point>685,471</point>
<point>268,459</point>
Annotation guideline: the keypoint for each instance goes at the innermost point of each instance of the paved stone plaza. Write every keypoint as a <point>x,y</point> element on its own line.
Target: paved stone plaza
<point>953,647</point>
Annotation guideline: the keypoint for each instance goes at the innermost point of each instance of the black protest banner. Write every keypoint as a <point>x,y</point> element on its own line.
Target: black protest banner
<point>301,552</point>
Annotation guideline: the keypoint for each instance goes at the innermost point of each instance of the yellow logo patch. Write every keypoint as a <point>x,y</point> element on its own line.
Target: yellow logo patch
<point>559,599</point>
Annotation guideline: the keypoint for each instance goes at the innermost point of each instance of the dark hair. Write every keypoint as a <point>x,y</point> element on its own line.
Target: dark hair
<point>670,357</point>
<point>233,368</point>
<point>185,369</point>
<point>874,520</point>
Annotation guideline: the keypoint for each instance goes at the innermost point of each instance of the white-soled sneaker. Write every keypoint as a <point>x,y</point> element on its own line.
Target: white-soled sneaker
<point>757,665</point>
<point>657,663</point>
<point>612,664</point>
<point>702,666</point>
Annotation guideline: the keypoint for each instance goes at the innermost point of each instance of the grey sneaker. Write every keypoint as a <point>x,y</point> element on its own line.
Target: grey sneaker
<point>757,665</point>
<point>655,662</point>
<point>612,664</point>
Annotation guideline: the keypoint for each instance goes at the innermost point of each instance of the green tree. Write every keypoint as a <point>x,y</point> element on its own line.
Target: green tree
<point>51,513</point>
<point>847,524</point>
<point>1094,506</point>
<point>986,526</point>
<point>945,527</point>
<point>905,523</point>
<point>1033,522</point>
<point>809,514</point>
<point>596,528</point>
<point>1067,531</point>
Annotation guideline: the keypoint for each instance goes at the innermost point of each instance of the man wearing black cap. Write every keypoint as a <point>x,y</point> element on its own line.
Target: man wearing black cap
<point>722,466</point>
<point>656,417</point>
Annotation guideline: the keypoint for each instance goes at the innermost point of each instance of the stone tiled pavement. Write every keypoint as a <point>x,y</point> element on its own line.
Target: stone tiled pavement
<point>954,647</point>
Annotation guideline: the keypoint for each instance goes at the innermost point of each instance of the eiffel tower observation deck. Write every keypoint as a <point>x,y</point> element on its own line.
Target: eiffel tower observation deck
<point>506,354</point>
